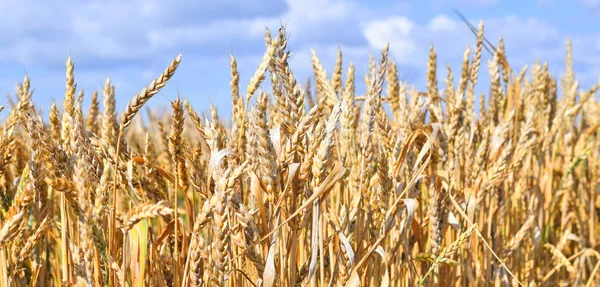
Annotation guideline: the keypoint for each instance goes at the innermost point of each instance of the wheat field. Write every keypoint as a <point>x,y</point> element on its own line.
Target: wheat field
<point>310,186</point>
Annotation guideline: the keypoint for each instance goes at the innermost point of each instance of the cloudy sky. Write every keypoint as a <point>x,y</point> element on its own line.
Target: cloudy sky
<point>133,41</point>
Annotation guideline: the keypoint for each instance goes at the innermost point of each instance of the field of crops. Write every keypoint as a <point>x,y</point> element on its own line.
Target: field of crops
<point>309,183</point>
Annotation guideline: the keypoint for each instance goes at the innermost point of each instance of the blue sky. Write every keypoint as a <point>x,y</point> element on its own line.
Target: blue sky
<point>133,41</point>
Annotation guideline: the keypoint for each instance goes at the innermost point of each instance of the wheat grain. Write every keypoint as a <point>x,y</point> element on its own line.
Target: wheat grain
<point>286,196</point>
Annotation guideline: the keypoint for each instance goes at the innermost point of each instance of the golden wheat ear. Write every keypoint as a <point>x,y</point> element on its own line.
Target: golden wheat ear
<point>148,92</point>
<point>386,188</point>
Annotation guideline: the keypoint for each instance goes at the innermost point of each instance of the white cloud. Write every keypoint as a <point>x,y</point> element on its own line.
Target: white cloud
<point>117,30</point>
<point>316,10</point>
<point>409,41</point>
<point>442,23</point>
<point>134,40</point>
<point>110,33</point>
<point>528,30</point>
<point>402,25</point>
<point>164,38</point>
<point>397,31</point>
<point>526,37</point>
